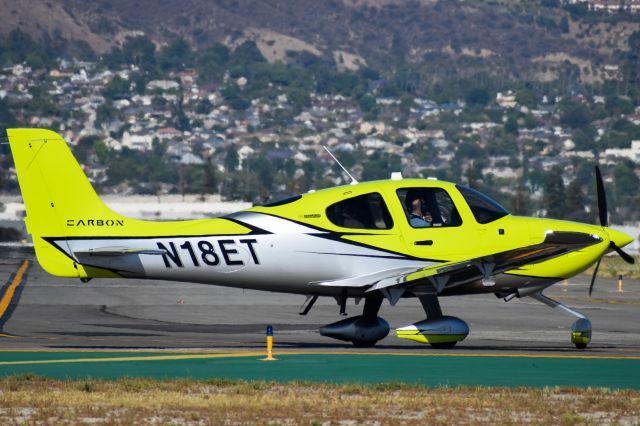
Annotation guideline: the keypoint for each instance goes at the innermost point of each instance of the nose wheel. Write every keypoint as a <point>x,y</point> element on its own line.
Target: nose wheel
<point>581,333</point>
<point>580,330</point>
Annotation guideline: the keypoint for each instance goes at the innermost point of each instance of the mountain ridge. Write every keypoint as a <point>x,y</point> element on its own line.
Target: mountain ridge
<point>512,38</point>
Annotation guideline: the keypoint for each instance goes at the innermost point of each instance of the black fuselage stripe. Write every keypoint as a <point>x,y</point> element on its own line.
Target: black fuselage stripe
<point>355,255</point>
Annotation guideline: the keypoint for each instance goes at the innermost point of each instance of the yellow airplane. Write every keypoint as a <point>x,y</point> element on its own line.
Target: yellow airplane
<point>390,239</point>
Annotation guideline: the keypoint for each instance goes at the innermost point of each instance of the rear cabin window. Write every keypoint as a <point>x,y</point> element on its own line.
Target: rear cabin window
<point>429,207</point>
<point>367,211</point>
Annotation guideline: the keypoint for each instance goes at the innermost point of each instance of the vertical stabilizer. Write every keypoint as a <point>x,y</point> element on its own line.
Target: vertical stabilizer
<point>58,197</point>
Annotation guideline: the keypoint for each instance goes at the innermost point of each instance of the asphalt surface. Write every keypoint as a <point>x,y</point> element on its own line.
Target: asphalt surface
<point>46,312</point>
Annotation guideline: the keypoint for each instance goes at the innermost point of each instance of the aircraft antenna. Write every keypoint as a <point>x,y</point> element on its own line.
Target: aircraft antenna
<point>353,180</point>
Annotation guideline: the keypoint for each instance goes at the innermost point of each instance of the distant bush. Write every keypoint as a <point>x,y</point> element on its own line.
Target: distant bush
<point>10,234</point>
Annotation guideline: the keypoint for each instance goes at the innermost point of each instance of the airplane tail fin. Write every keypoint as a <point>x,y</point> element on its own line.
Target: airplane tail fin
<point>59,199</point>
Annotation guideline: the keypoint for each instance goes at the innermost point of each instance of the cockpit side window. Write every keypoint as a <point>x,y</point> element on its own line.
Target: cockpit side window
<point>367,211</point>
<point>427,207</point>
<point>484,209</point>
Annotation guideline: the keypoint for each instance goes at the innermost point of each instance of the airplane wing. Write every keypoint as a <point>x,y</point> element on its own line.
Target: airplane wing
<point>451,274</point>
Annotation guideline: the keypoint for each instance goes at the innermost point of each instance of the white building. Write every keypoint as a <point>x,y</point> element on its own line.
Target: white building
<point>632,153</point>
<point>138,142</point>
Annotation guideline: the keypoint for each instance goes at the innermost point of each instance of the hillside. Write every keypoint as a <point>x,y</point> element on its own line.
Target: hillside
<point>510,38</point>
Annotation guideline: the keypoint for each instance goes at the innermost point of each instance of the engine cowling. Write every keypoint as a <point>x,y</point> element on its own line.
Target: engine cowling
<point>359,330</point>
<point>444,331</point>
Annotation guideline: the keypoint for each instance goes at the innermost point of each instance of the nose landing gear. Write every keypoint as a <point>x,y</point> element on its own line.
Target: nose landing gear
<point>580,330</point>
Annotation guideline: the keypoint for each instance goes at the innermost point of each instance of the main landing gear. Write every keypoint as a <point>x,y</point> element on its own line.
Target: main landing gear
<point>362,330</point>
<point>440,331</point>
<point>580,330</point>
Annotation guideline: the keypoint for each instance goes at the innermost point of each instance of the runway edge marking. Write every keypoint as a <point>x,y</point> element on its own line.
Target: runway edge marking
<point>9,291</point>
<point>257,354</point>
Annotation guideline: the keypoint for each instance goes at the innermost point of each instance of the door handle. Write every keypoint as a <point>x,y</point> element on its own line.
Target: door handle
<point>424,243</point>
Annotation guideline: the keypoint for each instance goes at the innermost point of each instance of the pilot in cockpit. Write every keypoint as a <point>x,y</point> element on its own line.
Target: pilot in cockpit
<point>418,218</point>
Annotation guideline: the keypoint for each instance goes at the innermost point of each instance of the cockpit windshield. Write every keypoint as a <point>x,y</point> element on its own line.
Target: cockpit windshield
<point>484,209</point>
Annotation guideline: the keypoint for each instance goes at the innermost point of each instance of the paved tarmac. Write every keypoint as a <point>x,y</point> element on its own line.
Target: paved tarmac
<point>43,312</point>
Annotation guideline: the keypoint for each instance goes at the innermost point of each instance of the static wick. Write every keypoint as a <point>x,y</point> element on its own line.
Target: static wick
<point>353,180</point>
<point>269,345</point>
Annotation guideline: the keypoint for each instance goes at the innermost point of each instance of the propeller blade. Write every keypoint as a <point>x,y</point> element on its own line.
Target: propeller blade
<point>593,278</point>
<point>626,257</point>
<point>602,199</point>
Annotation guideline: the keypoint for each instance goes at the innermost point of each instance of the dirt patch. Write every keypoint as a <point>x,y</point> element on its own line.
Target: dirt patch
<point>38,18</point>
<point>348,61</point>
<point>274,46</point>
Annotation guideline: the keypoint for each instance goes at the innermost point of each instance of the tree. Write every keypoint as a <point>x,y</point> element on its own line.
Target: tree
<point>473,175</point>
<point>511,125</point>
<point>406,103</point>
<point>574,115</point>
<point>367,103</point>
<point>176,56</point>
<point>585,139</point>
<point>380,166</point>
<point>139,51</point>
<point>232,95</point>
<point>477,96</point>
<point>6,117</point>
<point>246,54</point>
<point>299,98</point>
<point>212,63</point>
<point>554,199</point>
<point>231,159</point>
<point>564,25</point>
<point>634,41</point>
<point>521,202</point>
<point>626,190</point>
<point>575,203</point>
<point>117,87</point>
<point>181,120</point>
<point>105,114</point>
<point>84,148</point>
<point>204,106</point>
<point>210,179</point>
<point>526,97</point>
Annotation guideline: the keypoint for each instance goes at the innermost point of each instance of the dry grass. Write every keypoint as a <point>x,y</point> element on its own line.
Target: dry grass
<point>613,265</point>
<point>34,400</point>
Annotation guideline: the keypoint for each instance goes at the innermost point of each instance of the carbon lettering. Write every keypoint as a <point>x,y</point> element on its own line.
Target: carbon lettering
<point>170,255</point>
<point>227,251</point>
<point>95,222</point>
<point>250,244</point>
